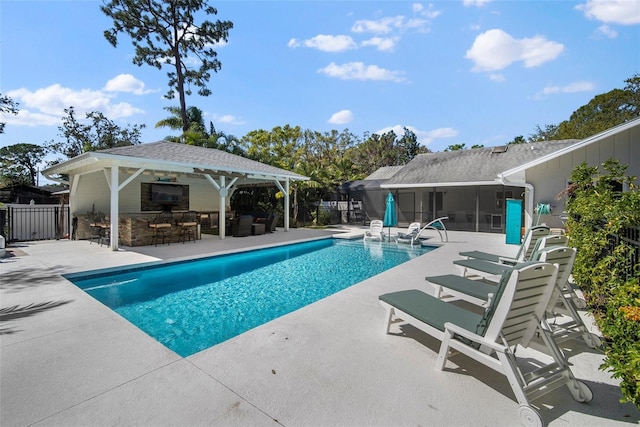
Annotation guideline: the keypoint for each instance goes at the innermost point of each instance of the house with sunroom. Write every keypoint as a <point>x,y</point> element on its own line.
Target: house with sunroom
<point>473,187</point>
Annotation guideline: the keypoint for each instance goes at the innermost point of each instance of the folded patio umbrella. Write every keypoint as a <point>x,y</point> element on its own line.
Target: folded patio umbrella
<point>390,217</point>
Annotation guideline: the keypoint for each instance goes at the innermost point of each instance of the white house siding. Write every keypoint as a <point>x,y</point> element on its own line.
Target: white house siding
<point>552,177</point>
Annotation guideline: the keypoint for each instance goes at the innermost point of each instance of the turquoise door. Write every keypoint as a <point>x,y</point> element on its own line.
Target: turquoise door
<point>514,221</point>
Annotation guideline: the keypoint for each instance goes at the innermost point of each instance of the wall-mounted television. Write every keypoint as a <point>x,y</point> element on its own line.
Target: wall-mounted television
<point>166,193</point>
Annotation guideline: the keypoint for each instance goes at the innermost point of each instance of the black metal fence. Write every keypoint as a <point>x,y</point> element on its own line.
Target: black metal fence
<point>631,237</point>
<point>33,222</point>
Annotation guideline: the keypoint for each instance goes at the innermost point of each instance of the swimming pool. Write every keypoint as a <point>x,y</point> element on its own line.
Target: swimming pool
<point>192,305</point>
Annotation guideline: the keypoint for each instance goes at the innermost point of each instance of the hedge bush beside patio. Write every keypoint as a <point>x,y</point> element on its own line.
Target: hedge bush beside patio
<point>606,267</point>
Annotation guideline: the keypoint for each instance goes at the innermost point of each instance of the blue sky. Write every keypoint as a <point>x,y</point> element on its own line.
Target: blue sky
<point>472,72</point>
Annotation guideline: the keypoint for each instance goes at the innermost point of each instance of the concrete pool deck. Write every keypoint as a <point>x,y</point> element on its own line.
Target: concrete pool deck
<point>67,360</point>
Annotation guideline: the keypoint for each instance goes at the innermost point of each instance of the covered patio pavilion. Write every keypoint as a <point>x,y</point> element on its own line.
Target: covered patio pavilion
<point>114,179</point>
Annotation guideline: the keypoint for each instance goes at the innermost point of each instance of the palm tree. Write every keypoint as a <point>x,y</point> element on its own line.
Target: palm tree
<point>196,123</point>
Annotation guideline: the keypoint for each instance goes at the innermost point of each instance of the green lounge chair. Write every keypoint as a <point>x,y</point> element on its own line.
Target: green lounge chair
<point>481,292</point>
<point>487,266</point>
<point>512,318</point>
<point>542,243</point>
<point>524,253</point>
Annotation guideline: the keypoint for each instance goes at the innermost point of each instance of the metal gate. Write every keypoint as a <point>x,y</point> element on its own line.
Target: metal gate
<point>19,223</point>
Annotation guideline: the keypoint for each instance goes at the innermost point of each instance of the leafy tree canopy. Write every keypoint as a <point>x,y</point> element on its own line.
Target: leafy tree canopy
<point>603,112</point>
<point>165,33</point>
<point>518,140</point>
<point>7,105</point>
<point>98,134</point>
<point>197,133</point>
<point>20,162</point>
<point>456,147</point>
<point>378,150</point>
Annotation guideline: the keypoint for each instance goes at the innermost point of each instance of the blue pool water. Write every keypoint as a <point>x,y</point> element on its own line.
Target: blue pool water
<point>192,305</point>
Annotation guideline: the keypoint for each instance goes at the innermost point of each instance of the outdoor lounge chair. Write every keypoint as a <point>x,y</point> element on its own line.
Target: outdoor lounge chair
<point>375,230</point>
<point>413,228</point>
<point>546,242</point>
<point>241,227</point>
<point>410,235</point>
<point>526,249</point>
<point>542,243</point>
<point>271,222</point>
<point>480,292</point>
<point>512,318</point>
<point>416,237</point>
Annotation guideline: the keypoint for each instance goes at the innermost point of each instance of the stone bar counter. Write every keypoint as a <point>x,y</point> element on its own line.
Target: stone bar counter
<point>134,229</point>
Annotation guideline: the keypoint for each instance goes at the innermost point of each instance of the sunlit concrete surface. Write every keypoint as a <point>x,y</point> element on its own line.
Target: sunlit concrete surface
<point>67,360</point>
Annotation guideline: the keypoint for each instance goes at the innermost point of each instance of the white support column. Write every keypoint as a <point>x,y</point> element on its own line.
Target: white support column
<point>222,216</point>
<point>528,200</point>
<point>285,193</point>
<point>223,190</point>
<point>73,189</point>
<point>286,205</point>
<point>114,217</point>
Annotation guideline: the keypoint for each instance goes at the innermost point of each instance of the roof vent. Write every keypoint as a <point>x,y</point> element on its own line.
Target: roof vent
<point>500,149</point>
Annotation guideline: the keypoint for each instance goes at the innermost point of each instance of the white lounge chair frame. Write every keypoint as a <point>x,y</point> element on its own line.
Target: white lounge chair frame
<point>561,329</point>
<point>375,230</point>
<point>516,319</point>
<point>549,241</point>
<point>526,248</point>
<point>413,228</point>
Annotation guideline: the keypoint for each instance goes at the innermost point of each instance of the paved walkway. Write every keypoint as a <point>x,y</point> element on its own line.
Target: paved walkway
<point>68,360</point>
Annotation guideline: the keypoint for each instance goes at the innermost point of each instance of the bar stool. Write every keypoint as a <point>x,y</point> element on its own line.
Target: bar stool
<point>100,227</point>
<point>105,231</point>
<point>188,225</point>
<point>161,225</point>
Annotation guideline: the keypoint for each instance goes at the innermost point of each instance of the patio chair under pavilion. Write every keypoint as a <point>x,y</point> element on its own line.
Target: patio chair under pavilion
<point>121,172</point>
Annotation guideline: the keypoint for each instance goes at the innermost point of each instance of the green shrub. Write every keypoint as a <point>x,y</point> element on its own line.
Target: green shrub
<point>321,216</point>
<point>604,268</point>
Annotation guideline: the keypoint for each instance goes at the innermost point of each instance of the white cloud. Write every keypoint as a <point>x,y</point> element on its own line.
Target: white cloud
<point>424,137</point>
<point>382,44</point>
<point>623,12</point>
<point>607,31</point>
<point>359,71</point>
<point>29,119</point>
<point>126,83</point>
<point>342,117</point>
<point>46,105</point>
<point>390,24</point>
<point>498,78</point>
<point>477,3</point>
<point>326,43</point>
<point>381,26</point>
<point>429,12</point>
<point>441,133</point>
<point>574,87</point>
<point>227,119</point>
<point>496,50</point>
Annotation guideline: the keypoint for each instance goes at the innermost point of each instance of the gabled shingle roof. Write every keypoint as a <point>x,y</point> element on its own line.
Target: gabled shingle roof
<point>385,172</point>
<point>193,155</point>
<point>472,165</point>
<point>171,154</point>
